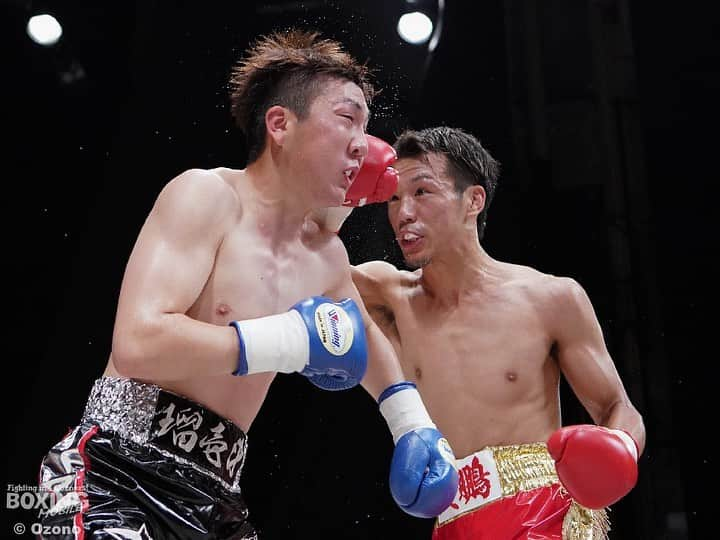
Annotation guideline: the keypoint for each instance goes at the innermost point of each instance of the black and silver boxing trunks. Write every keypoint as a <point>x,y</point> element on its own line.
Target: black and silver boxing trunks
<point>147,464</point>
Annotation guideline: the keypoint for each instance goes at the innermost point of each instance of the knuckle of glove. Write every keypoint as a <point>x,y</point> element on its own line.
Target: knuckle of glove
<point>434,499</point>
<point>423,480</point>
<point>596,470</point>
<point>376,180</point>
<point>407,469</point>
<point>387,185</point>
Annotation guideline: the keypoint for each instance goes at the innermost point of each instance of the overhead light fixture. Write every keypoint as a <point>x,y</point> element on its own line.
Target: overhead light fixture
<point>415,27</point>
<point>44,29</point>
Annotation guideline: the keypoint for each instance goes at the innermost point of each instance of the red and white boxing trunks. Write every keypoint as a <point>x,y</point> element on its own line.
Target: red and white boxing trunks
<point>513,492</point>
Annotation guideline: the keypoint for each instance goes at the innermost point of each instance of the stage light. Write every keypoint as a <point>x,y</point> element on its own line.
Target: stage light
<point>44,29</point>
<point>415,27</point>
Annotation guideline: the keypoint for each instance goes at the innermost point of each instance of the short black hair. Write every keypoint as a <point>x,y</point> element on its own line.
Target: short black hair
<point>287,69</point>
<point>467,162</point>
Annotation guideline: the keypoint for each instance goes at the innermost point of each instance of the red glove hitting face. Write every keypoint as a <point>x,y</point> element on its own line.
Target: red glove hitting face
<point>597,465</point>
<point>375,182</point>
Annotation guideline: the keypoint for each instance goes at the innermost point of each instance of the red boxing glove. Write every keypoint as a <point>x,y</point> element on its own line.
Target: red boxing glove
<point>376,181</point>
<point>597,465</point>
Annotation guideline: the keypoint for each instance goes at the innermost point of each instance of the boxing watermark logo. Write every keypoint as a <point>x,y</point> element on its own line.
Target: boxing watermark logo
<point>20,496</point>
<point>41,501</point>
<point>47,531</point>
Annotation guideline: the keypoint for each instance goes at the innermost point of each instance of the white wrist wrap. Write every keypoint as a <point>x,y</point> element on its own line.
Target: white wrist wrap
<point>404,411</point>
<point>276,343</point>
<point>628,440</point>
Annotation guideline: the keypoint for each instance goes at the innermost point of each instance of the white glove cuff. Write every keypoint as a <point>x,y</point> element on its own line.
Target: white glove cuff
<point>628,440</point>
<point>404,411</point>
<point>276,343</point>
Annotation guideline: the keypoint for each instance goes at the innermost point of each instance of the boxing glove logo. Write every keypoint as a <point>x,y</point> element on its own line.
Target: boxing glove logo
<point>446,452</point>
<point>334,328</point>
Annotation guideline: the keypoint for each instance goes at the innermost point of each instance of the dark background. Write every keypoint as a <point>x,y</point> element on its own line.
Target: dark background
<point>601,111</point>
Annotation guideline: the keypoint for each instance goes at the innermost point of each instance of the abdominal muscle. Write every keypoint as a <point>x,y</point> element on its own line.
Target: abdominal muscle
<point>493,387</point>
<point>471,421</point>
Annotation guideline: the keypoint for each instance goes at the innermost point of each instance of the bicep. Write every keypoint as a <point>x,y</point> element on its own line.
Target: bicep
<point>370,280</point>
<point>583,356</point>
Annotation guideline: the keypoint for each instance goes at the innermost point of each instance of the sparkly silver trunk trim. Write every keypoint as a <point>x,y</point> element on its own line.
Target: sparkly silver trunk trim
<point>122,406</point>
<point>127,407</point>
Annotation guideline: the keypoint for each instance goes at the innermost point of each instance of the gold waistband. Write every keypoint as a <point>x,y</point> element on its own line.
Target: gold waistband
<point>522,467</point>
<point>495,472</point>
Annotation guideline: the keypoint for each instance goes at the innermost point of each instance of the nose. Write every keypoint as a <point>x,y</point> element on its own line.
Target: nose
<point>405,209</point>
<point>359,146</point>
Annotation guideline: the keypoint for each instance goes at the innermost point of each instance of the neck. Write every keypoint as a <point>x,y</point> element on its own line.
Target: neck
<point>458,271</point>
<point>280,206</point>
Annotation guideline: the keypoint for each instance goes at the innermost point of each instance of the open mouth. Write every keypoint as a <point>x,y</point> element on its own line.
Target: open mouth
<point>350,174</point>
<point>410,241</point>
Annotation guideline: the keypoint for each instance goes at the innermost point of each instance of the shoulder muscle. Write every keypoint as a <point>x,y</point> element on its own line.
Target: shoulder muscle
<point>195,203</point>
<point>375,278</point>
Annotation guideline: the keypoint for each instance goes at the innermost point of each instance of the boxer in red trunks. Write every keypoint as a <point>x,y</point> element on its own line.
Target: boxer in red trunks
<point>486,343</point>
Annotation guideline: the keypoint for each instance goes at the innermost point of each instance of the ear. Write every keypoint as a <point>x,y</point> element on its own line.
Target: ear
<point>475,197</point>
<point>277,121</point>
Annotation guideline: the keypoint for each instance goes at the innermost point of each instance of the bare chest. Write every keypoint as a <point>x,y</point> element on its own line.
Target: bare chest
<point>485,371</point>
<point>498,349</point>
<point>252,278</point>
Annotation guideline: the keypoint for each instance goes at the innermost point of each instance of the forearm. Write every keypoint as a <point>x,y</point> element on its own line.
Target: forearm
<point>423,478</point>
<point>174,347</point>
<point>625,417</point>
<point>383,366</point>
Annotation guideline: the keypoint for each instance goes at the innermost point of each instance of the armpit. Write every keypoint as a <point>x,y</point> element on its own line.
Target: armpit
<point>385,320</point>
<point>382,315</point>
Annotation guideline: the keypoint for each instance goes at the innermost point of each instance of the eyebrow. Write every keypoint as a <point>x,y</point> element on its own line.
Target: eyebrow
<point>350,101</point>
<point>422,176</point>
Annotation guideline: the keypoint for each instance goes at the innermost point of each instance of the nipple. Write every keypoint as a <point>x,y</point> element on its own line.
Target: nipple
<point>223,309</point>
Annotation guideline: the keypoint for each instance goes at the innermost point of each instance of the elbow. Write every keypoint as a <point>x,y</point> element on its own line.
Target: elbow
<point>640,433</point>
<point>132,347</point>
<point>125,358</point>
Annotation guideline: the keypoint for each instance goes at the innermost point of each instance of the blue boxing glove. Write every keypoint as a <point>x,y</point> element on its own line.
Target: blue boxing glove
<point>322,339</point>
<point>423,477</point>
<point>338,350</point>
